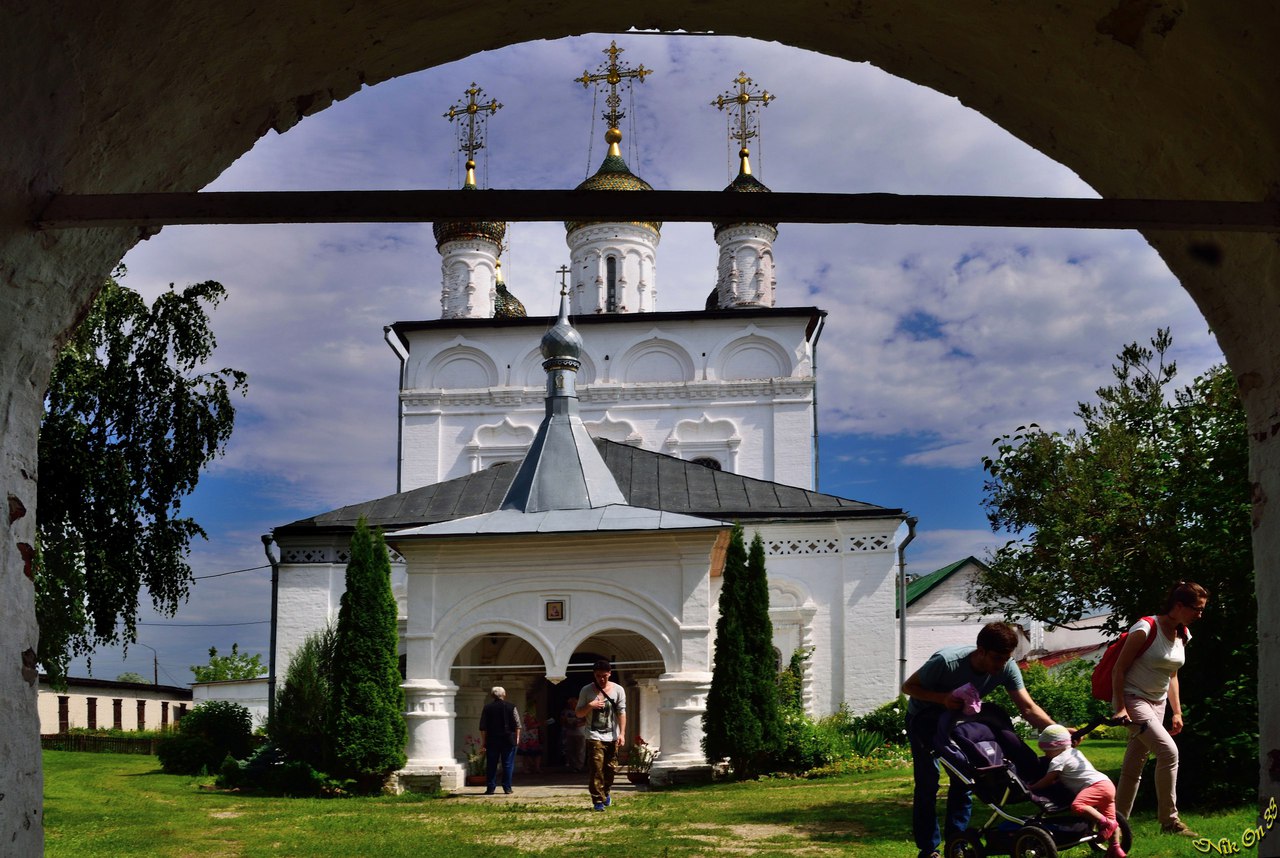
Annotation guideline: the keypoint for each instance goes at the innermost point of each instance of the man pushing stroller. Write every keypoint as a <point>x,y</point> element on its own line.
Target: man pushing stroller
<point>932,691</point>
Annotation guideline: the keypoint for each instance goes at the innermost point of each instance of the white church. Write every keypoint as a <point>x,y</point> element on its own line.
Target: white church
<point>567,487</point>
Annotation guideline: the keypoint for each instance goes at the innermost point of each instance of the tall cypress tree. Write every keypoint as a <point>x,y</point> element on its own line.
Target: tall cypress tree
<point>757,638</point>
<point>731,725</point>
<point>368,703</point>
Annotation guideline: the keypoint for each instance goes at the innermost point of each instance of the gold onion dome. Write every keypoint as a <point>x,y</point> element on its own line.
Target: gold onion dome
<point>744,183</point>
<point>506,305</point>
<point>462,230</point>
<point>613,175</point>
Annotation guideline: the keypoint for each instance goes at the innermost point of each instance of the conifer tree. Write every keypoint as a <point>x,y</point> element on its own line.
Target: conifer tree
<point>757,636</point>
<point>368,703</point>
<point>742,721</point>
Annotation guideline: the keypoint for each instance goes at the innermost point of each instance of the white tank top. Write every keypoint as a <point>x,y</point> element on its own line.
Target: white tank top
<point>1149,675</point>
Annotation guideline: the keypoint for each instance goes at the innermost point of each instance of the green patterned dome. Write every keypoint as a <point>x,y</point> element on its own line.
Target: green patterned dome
<point>744,183</point>
<point>506,305</point>
<point>613,175</point>
<point>462,230</point>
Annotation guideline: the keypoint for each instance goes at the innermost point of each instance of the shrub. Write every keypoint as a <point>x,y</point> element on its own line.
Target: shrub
<point>206,735</point>
<point>805,744</point>
<point>887,719</point>
<point>299,726</point>
<point>184,754</point>
<point>269,770</point>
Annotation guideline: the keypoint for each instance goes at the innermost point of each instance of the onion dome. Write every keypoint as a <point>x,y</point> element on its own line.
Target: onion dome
<point>744,183</point>
<point>562,340</point>
<point>613,175</point>
<point>506,305</point>
<point>713,299</point>
<point>463,230</point>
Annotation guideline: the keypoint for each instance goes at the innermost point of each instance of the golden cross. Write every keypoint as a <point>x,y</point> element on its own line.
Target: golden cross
<point>613,75</point>
<point>748,124</point>
<point>475,113</point>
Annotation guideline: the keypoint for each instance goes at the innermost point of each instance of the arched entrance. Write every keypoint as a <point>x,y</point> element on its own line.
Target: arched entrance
<point>1050,81</point>
<point>507,660</point>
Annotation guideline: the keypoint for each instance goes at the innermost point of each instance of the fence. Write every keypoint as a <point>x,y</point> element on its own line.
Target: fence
<point>97,744</point>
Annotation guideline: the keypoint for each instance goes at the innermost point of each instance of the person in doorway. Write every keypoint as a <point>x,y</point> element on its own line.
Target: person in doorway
<point>1144,684</point>
<point>573,735</point>
<point>931,691</point>
<point>500,734</point>
<point>604,704</point>
<point>530,751</point>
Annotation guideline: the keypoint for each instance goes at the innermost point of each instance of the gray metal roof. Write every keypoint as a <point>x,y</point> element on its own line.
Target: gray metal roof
<point>646,479</point>
<point>616,517</point>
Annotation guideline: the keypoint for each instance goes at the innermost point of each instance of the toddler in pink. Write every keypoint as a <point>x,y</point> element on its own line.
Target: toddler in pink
<point>1095,795</point>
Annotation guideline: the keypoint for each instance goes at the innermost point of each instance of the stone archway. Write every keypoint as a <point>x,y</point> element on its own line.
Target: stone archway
<point>1155,100</point>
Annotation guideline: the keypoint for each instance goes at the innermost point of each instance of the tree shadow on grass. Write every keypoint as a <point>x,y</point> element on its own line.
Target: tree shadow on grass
<point>885,819</point>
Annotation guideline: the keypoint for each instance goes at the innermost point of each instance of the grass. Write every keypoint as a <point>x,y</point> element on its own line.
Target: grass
<point>122,806</point>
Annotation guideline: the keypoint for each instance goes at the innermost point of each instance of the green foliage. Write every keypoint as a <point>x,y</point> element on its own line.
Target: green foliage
<point>742,721</point>
<point>271,771</point>
<point>888,720</point>
<point>130,676</point>
<point>206,735</point>
<point>130,420</point>
<point>367,719</point>
<point>299,726</point>
<point>1153,489</point>
<point>238,665</point>
<point>1064,693</point>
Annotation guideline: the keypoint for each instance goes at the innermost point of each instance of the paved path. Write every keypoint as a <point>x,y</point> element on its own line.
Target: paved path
<point>566,788</point>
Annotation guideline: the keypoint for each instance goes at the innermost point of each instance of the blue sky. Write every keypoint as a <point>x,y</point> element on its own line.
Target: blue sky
<point>939,339</point>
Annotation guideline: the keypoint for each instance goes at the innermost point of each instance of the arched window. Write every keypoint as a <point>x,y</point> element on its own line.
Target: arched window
<point>611,284</point>
<point>708,462</point>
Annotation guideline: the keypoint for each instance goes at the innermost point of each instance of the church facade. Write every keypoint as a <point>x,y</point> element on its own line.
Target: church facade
<point>567,487</point>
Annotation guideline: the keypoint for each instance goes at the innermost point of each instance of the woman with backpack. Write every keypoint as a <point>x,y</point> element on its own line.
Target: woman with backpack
<point>1144,685</point>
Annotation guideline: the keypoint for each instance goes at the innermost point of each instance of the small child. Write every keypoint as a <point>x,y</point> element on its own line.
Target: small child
<point>1095,795</point>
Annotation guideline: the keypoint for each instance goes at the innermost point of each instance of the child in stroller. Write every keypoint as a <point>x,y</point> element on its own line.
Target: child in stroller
<point>1095,794</point>
<point>985,753</point>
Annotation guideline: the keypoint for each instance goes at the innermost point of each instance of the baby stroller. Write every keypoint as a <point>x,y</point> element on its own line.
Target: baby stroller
<point>983,752</point>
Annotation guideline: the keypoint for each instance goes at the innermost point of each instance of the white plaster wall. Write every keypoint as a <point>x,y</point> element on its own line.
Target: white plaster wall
<point>840,574</point>
<point>249,693</point>
<point>468,279</point>
<point>774,416</point>
<point>944,616</point>
<point>633,247</point>
<point>744,271</point>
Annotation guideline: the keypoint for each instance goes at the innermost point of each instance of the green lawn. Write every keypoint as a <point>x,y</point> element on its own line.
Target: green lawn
<point>114,806</point>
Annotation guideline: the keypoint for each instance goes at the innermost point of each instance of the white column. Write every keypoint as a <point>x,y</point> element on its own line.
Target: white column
<point>430,719</point>
<point>682,702</point>
<point>648,720</point>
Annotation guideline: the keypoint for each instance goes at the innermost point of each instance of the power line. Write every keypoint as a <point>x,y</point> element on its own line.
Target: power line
<point>232,572</point>
<point>204,625</point>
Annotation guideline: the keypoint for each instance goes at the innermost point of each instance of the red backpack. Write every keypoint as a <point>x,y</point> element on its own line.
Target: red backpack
<point>1103,672</point>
